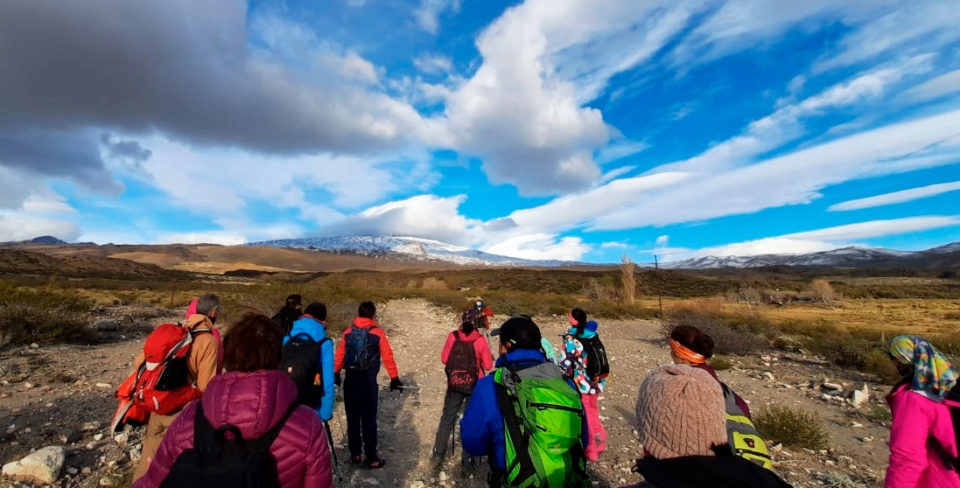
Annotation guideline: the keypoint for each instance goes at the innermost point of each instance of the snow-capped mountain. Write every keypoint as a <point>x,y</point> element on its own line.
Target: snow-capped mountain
<point>406,248</point>
<point>846,257</point>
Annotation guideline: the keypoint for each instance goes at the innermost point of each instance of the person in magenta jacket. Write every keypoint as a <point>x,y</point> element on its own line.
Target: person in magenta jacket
<point>922,435</point>
<point>454,401</point>
<point>253,396</point>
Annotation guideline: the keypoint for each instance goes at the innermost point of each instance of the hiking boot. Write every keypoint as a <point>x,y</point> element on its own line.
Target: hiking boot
<point>355,460</point>
<point>376,463</point>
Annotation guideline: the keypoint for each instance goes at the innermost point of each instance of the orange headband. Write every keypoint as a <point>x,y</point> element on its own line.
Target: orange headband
<point>686,353</point>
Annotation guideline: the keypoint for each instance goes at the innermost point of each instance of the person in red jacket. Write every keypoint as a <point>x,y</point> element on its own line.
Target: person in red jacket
<point>253,396</point>
<point>484,313</point>
<point>467,345</point>
<point>360,352</point>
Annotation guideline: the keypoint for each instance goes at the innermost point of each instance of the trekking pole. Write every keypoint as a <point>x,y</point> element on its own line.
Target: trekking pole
<point>333,452</point>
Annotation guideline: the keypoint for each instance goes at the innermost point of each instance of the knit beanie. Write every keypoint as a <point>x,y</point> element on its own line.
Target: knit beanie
<point>680,412</point>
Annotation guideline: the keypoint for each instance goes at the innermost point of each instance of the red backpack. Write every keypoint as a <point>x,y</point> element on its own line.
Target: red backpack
<point>159,384</point>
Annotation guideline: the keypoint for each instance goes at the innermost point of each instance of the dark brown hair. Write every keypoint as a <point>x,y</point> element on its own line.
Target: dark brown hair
<point>691,338</point>
<point>253,343</point>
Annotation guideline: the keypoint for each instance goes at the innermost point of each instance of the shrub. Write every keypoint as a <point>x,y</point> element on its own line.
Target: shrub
<point>45,315</point>
<point>821,291</point>
<point>791,427</point>
<point>721,363</point>
<point>878,363</point>
<point>730,334</point>
<point>878,413</point>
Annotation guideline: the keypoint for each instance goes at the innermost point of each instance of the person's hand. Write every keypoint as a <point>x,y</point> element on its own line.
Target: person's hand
<point>396,384</point>
<point>336,379</point>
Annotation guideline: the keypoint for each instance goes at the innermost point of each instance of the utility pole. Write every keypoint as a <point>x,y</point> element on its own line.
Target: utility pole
<point>656,267</point>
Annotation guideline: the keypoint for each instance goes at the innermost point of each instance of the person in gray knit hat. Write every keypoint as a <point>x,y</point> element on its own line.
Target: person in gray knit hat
<point>682,426</point>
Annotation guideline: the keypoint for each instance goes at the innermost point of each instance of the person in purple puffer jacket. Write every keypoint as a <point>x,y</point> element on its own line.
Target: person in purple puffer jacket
<point>254,396</point>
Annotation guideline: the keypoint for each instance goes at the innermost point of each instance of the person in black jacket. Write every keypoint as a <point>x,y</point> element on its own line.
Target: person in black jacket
<point>291,311</point>
<point>682,427</point>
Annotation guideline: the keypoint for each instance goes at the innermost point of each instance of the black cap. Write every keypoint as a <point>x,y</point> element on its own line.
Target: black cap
<point>521,332</point>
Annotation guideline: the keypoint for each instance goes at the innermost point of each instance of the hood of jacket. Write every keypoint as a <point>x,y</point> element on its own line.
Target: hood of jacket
<point>253,402</point>
<point>310,326</point>
<point>364,323</point>
<point>721,471</point>
<point>521,358</point>
<point>198,321</point>
<point>472,336</point>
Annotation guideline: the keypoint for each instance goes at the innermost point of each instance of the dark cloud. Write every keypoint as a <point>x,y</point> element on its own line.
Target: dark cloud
<point>130,153</point>
<point>184,68</point>
<point>73,154</point>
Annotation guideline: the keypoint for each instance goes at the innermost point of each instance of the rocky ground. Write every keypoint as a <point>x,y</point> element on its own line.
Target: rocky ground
<point>62,396</point>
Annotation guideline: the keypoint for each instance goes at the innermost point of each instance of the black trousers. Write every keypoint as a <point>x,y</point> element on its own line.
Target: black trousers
<point>452,403</point>
<point>360,399</point>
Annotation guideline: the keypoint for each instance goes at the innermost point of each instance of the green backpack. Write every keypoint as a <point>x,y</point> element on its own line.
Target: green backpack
<point>543,419</point>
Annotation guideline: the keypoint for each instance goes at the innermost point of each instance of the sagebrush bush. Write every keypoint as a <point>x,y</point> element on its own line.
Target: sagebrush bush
<point>791,427</point>
<point>721,363</point>
<point>43,315</point>
<point>730,334</point>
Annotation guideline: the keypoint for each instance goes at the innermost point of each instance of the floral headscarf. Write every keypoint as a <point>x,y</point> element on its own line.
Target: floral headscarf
<point>932,374</point>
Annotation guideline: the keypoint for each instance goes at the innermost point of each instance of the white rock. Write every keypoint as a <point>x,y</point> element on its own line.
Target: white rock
<point>97,437</point>
<point>72,471</point>
<point>120,438</point>
<point>102,385</point>
<point>41,466</point>
<point>768,376</point>
<point>371,481</point>
<point>34,345</point>
<point>859,398</point>
<point>442,476</point>
<point>417,484</point>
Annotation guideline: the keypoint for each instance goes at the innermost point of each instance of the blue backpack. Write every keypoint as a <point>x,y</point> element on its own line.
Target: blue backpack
<point>358,355</point>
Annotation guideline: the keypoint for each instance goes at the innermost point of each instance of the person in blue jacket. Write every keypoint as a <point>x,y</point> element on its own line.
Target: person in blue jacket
<point>482,428</point>
<point>312,324</point>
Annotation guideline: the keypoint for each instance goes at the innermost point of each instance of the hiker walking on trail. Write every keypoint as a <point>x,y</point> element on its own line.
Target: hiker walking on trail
<point>925,405</point>
<point>466,355</point>
<point>526,416</point>
<point>585,362</point>
<point>681,425</point>
<point>690,347</point>
<point>201,365</point>
<point>308,358</point>
<point>483,313</point>
<point>363,347</point>
<point>248,429</point>
<point>289,314</point>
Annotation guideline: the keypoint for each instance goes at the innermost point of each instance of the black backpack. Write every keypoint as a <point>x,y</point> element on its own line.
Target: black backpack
<point>953,403</point>
<point>215,461</point>
<point>301,360</point>
<point>598,365</point>
<point>462,371</point>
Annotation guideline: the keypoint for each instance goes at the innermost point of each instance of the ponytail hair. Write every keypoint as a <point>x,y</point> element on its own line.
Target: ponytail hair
<point>691,338</point>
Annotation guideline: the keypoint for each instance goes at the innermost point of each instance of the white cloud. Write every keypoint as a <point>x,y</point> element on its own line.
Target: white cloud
<point>540,246</point>
<point>829,238</point>
<point>425,216</point>
<point>21,226</point>
<point>428,12</point>
<point>620,149</point>
<point>786,123</point>
<point>791,179</point>
<point>614,245</point>
<point>663,241</point>
<point>941,86</point>
<point>897,196</point>
<point>433,64</point>
<point>224,238</point>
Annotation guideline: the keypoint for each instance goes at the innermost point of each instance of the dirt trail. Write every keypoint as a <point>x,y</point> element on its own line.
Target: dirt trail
<point>62,396</point>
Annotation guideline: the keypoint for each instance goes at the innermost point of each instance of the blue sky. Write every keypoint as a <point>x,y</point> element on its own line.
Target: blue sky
<point>548,129</point>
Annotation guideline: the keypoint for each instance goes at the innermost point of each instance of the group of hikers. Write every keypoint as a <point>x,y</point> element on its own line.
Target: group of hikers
<point>252,408</point>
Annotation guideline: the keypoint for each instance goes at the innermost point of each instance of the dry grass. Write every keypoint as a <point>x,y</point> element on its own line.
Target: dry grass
<point>628,277</point>
<point>43,315</point>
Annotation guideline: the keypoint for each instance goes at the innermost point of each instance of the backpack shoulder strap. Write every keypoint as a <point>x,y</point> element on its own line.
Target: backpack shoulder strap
<point>266,440</point>
<point>194,332</point>
<point>514,425</point>
<point>204,434</point>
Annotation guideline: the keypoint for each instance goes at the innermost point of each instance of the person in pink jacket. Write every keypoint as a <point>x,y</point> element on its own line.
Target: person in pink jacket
<point>922,436</point>
<point>456,352</point>
<point>253,396</point>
